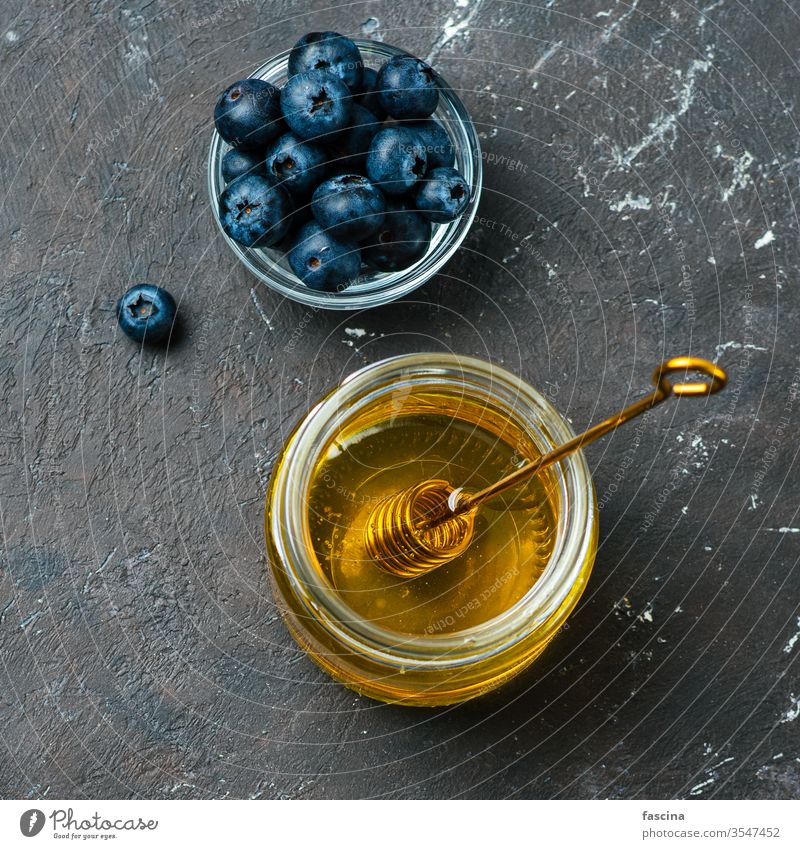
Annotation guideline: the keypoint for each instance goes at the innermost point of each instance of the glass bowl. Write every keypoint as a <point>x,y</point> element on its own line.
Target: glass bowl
<point>436,668</point>
<point>372,288</point>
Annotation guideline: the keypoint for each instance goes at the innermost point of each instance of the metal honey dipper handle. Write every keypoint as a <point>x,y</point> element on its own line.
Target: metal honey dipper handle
<point>429,524</point>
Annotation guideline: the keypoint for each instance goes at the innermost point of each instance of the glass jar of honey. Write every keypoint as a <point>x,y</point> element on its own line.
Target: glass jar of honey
<point>463,628</point>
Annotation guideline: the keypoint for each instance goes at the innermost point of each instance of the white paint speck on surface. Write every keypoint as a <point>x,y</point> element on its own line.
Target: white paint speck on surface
<point>584,178</point>
<point>646,615</point>
<point>783,530</point>
<point>12,37</point>
<point>356,332</point>
<point>794,710</point>
<point>703,12</point>
<point>698,788</point>
<point>711,260</point>
<point>740,179</point>
<point>631,202</point>
<point>793,640</point>
<point>699,452</point>
<point>620,20</point>
<point>765,240</point>
<point>457,24</point>
<point>259,309</point>
<point>737,346</point>
<point>371,28</point>
<point>547,55</point>
<point>666,125</point>
<point>136,54</point>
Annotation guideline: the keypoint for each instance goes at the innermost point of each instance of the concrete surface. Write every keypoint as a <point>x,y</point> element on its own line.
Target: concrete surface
<point>641,177</point>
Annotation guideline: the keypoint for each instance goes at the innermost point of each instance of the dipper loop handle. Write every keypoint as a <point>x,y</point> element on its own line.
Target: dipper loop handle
<point>460,502</point>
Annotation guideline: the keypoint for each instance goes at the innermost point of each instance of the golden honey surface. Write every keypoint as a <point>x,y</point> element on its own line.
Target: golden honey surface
<point>401,444</point>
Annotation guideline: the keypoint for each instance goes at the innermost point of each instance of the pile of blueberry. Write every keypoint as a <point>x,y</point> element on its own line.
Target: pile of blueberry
<point>314,171</point>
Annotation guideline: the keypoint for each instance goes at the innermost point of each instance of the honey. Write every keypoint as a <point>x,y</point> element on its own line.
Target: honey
<point>513,539</point>
<point>465,627</point>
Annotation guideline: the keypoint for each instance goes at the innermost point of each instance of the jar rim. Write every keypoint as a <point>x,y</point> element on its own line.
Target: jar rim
<point>288,520</point>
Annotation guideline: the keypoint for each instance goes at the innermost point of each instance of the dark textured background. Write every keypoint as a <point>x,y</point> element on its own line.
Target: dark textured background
<point>639,202</point>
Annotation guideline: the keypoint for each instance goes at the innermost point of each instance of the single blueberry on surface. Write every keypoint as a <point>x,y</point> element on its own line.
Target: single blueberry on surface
<point>401,241</point>
<point>396,161</point>
<point>248,114</point>
<point>443,195</point>
<point>296,164</point>
<point>236,163</point>
<point>352,146</point>
<point>348,206</point>
<point>438,146</point>
<point>254,212</point>
<point>407,88</point>
<point>323,262</point>
<point>328,51</point>
<point>146,313</point>
<point>316,105</point>
<point>367,93</point>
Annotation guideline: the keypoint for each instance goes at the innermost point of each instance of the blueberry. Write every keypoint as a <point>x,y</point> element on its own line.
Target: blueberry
<point>323,262</point>
<point>400,242</point>
<point>352,146</point>
<point>348,206</point>
<point>328,51</point>
<point>316,104</point>
<point>248,114</point>
<point>396,160</point>
<point>408,88</point>
<point>367,93</point>
<point>438,147</point>
<point>296,164</point>
<point>255,212</point>
<point>147,313</point>
<point>235,163</point>
<point>301,216</point>
<point>443,195</point>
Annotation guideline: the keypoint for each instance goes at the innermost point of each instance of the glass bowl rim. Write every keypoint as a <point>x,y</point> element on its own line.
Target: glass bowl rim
<point>397,283</point>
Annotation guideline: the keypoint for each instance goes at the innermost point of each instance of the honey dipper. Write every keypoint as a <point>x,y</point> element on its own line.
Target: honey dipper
<point>429,524</point>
